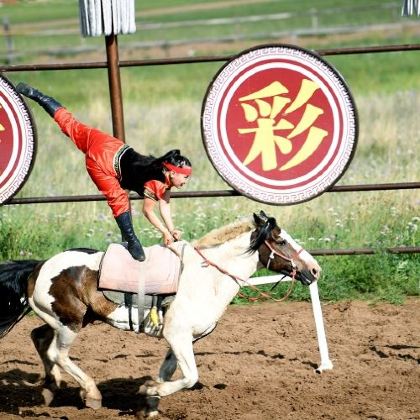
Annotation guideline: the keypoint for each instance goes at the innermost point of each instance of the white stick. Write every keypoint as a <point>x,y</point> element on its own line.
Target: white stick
<point>255,281</point>
<point>326,363</point>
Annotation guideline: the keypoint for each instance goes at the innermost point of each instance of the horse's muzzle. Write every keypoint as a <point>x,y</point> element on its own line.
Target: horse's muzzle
<point>305,277</point>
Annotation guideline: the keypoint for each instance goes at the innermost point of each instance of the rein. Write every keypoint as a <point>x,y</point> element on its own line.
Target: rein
<point>237,279</point>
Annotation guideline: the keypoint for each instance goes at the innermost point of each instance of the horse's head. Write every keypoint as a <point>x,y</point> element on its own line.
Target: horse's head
<point>279,252</point>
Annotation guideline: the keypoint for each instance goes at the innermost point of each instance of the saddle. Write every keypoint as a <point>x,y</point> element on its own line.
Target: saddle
<point>154,281</point>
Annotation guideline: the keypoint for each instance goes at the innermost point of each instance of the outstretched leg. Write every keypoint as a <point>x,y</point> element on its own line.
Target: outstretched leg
<point>169,365</point>
<point>58,352</point>
<point>42,338</point>
<point>182,348</point>
<point>181,352</point>
<point>101,151</point>
<point>47,102</point>
<point>80,134</point>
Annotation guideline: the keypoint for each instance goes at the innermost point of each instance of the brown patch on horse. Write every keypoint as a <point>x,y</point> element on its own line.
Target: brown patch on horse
<point>98,303</point>
<point>221,235</point>
<point>32,279</point>
<point>77,300</point>
<point>277,263</point>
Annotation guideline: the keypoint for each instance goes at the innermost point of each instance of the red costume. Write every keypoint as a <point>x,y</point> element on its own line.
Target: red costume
<point>103,153</point>
<point>115,167</point>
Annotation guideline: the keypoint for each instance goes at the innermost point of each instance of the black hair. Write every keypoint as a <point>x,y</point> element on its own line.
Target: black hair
<point>175,158</point>
<point>261,234</point>
<point>137,169</point>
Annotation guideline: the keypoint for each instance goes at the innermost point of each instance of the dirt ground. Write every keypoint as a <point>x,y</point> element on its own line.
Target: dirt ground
<point>258,364</point>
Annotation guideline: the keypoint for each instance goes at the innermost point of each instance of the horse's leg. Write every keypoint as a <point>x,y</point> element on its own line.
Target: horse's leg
<point>181,352</point>
<point>168,367</point>
<point>182,348</point>
<point>58,352</point>
<point>42,338</point>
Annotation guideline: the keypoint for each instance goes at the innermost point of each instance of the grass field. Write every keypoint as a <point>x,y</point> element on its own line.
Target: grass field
<point>162,108</point>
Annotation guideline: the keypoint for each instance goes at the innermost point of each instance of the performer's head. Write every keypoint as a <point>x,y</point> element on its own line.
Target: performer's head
<point>177,167</point>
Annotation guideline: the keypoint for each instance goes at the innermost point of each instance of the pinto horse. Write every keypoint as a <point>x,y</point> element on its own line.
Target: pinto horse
<point>63,292</point>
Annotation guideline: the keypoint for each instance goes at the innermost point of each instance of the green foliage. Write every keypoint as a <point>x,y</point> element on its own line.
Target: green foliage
<point>369,277</point>
<point>162,106</point>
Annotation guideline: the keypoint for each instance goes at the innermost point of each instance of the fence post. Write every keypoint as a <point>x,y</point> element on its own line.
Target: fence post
<point>114,81</point>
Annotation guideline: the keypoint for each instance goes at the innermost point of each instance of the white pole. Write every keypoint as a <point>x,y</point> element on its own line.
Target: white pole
<point>326,363</point>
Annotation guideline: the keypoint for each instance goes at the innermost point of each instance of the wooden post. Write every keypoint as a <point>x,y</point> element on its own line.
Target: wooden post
<point>114,82</point>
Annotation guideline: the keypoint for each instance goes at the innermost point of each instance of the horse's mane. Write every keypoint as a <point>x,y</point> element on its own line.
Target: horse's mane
<point>223,234</point>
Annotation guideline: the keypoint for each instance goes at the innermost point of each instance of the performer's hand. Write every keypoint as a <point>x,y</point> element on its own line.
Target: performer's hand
<point>167,238</point>
<point>177,234</point>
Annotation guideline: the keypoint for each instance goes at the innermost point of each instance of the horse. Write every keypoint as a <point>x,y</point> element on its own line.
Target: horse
<point>63,292</point>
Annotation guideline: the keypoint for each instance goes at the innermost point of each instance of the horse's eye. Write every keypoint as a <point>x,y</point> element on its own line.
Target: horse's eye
<point>281,242</point>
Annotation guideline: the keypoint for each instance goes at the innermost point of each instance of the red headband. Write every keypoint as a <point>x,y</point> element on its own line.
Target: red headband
<point>184,170</point>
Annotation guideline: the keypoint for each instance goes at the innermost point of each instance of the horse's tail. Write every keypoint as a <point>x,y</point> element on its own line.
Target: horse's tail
<point>14,303</point>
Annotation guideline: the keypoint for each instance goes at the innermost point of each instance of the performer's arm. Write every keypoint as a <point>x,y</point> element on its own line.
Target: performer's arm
<point>165,212</point>
<point>148,211</point>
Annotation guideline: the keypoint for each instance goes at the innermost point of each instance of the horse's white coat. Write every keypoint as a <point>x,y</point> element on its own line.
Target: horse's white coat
<point>41,302</point>
<point>56,265</point>
<point>119,318</point>
<point>203,296</point>
<point>51,269</point>
<point>304,255</point>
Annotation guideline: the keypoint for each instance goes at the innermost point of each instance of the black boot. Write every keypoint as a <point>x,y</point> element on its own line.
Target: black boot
<point>49,104</point>
<point>127,232</point>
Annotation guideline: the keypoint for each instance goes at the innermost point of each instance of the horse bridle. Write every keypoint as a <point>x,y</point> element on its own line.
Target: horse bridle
<point>283,256</point>
<point>242,282</point>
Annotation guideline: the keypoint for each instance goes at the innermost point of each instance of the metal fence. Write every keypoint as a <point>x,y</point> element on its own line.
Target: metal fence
<point>221,193</point>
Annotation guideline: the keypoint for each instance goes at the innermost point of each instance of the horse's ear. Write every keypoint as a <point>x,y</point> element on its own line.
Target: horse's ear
<point>260,219</point>
<point>263,215</point>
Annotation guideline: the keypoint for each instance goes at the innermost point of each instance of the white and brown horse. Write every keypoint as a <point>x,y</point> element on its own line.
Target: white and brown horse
<point>63,292</point>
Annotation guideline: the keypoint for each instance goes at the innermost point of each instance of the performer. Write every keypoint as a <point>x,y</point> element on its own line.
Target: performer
<point>115,167</point>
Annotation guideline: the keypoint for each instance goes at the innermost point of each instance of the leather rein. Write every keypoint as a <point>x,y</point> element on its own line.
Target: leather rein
<point>260,293</point>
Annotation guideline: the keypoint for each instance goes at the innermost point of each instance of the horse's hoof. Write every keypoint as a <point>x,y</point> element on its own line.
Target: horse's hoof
<point>148,388</point>
<point>152,404</point>
<point>48,396</point>
<point>141,415</point>
<point>93,403</point>
<point>151,408</point>
<point>143,389</point>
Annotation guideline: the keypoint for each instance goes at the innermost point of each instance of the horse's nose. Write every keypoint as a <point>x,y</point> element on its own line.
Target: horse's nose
<point>316,271</point>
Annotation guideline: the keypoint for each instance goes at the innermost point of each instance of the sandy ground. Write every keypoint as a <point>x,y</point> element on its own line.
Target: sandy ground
<point>258,364</point>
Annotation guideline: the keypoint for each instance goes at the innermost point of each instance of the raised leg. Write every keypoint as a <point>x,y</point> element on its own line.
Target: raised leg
<point>183,351</point>
<point>58,353</point>
<point>47,102</point>
<point>42,338</point>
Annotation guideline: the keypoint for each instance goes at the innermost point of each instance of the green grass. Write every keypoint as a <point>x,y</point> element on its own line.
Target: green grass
<point>162,106</point>
<point>381,277</point>
<point>179,10</point>
<point>50,28</point>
